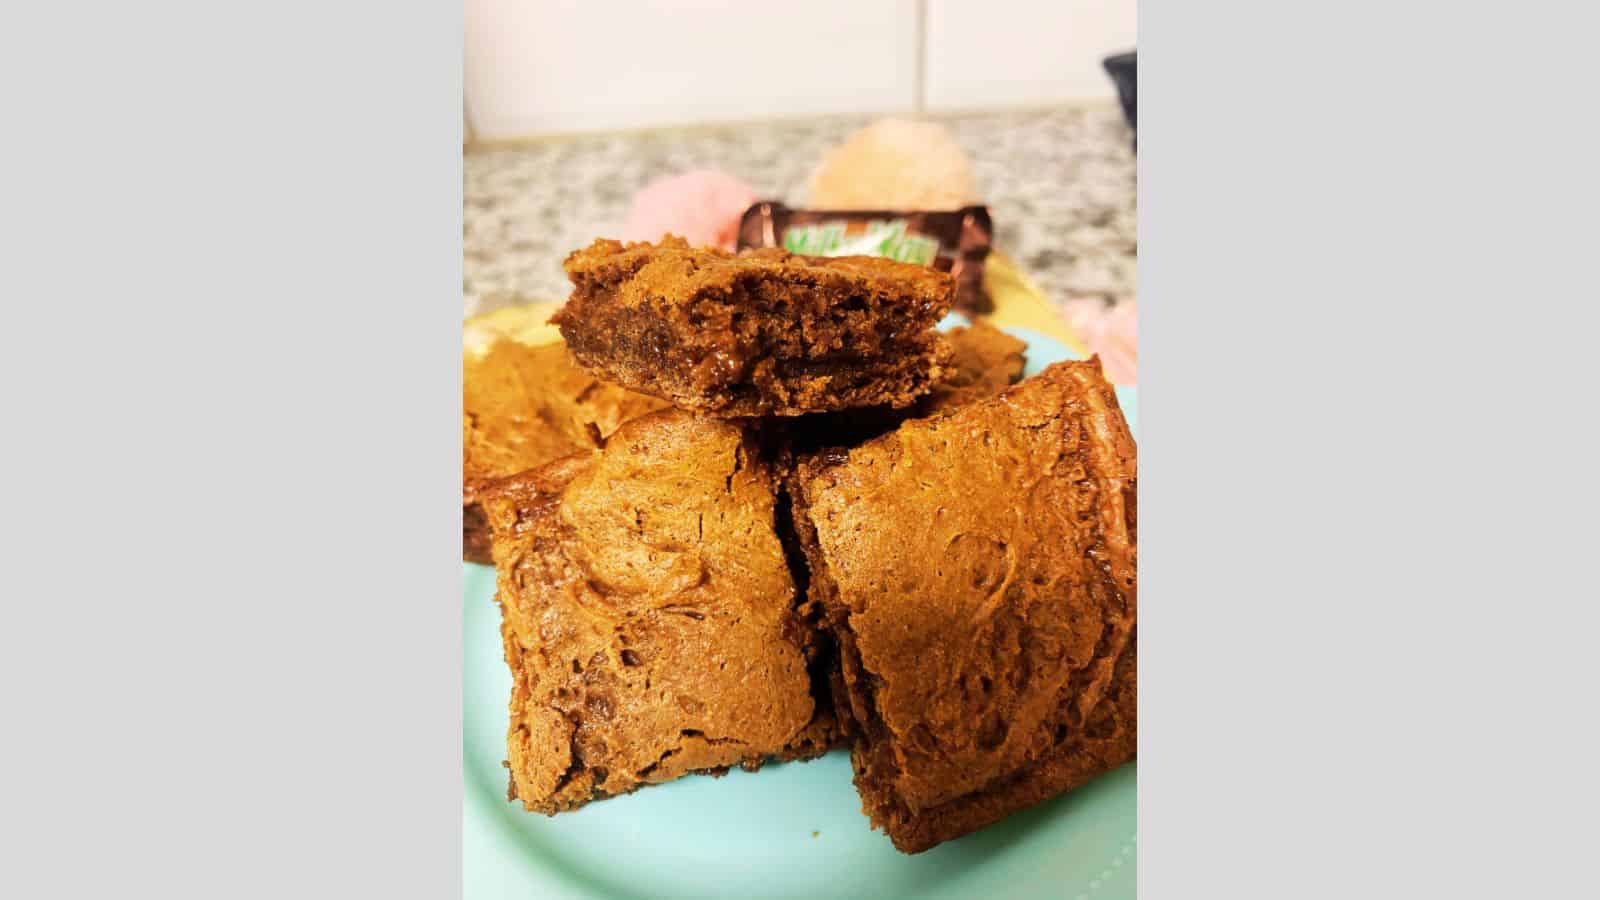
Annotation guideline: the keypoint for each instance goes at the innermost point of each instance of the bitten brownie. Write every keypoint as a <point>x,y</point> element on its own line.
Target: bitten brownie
<point>524,406</point>
<point>761,333</point>
<point>978,572</point>
<point>648,615</point>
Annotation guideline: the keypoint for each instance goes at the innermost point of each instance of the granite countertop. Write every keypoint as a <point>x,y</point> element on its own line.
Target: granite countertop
<point>1060,185</point>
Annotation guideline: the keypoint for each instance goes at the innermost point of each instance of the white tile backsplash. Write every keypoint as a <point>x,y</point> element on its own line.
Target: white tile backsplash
<point>999,53</point>
<point>543,66</point>
<point>540,66</point>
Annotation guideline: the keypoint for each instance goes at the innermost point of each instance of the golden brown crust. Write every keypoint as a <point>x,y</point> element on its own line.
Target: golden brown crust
<point>679,274</point>
<point>761,333</point>
<point>978,571</point>
<point>524,406</point>
<point>647,614</point>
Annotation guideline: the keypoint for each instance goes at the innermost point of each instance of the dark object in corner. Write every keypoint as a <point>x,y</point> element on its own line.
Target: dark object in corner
<point>1123,69</point>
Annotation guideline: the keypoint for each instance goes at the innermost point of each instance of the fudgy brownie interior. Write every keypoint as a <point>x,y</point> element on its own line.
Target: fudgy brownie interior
<point>763,333</point>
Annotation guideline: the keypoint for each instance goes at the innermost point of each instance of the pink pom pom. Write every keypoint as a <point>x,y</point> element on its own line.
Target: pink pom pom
<point>1112,334</point>
<point>703,207</point>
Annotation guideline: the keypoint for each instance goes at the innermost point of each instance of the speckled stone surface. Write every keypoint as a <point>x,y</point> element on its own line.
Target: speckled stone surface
<point>1060,186</point>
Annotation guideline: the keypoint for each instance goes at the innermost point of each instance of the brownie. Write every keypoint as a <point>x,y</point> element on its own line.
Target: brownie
<point>524,406</point>
<point>977,570</point>
<point>648,615</point>
<point>765,332</point>
<point>984,361</point>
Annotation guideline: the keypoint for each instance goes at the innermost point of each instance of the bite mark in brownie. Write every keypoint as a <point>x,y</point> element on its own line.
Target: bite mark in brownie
<point>648,614</point>
<point>523,406</point>
<point>760,333</point>
<point>977,570</point>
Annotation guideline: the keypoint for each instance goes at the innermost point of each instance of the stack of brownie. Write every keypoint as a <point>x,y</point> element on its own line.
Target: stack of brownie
<point>771,510</point>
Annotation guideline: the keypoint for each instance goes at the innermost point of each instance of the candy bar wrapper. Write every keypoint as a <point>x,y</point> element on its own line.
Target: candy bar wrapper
<point>956,241</point>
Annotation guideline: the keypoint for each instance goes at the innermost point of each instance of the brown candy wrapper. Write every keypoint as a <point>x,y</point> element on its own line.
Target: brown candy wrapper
<point>956,241</point>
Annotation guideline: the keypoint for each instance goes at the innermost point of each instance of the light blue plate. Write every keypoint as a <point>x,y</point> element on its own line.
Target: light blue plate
<point>791,830</point>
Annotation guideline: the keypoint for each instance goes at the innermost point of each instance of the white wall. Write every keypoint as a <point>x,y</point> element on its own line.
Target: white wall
<point>542,66</point>
<point>997,53</point>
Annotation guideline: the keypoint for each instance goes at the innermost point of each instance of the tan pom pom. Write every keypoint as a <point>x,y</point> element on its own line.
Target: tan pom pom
<point>895,164</point>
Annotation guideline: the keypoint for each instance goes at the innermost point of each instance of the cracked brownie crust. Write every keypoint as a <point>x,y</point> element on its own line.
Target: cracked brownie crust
<point>977,570</point>
<point>648,615</point>
<point>524,406</point>
<point>762,333</point>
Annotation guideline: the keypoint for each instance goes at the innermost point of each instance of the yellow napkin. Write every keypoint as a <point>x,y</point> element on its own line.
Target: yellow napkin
<point>1019,303</point>
<point>525,322</point>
